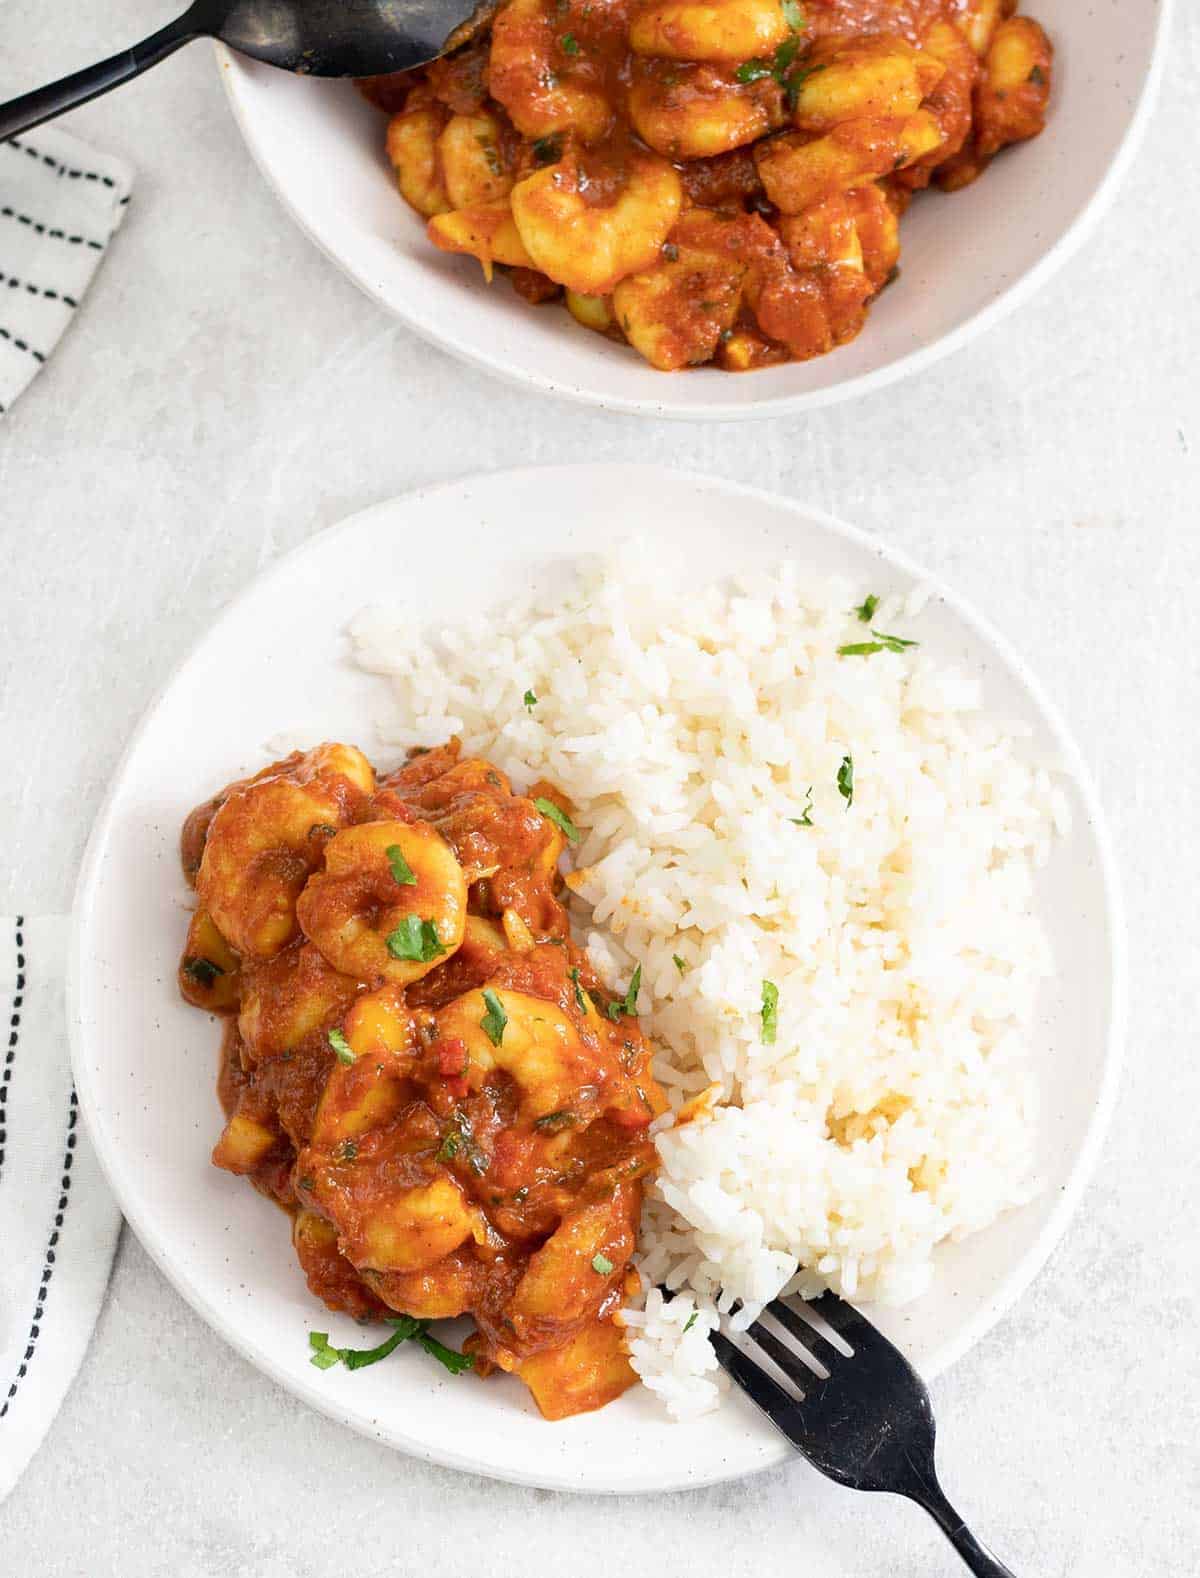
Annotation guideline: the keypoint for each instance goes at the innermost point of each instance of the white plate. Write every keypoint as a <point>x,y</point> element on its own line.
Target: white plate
<point>967,259</point>
<point>276,662</point>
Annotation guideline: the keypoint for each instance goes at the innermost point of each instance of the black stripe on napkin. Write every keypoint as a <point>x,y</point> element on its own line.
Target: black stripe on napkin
<point>14,283</point>
<point>21,345</point>
<point>51,1256</point>
<point>14,1033</point>
<point>74,175</point>
<point>55,235</point>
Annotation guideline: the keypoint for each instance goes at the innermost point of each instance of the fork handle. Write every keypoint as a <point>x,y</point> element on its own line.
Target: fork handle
<point>975,1555</point>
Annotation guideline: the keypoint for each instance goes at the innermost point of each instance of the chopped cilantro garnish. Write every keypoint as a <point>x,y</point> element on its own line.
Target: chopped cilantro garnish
<point>628,1003</point>
<point>793,14</point>
<point>680,965</point>
<point>401,871</point>
<point>866,609</point>
<point>845,780</point>
<point>341,1047</point>
<point>753,70</point>
<point>494,1021</point>
<point>415,939</point>
<point>530,701</point>
<point>325,1356</point>
<point>547,150</point>
<point>570,44</point>
<point>580,996</point>
<point>602,1264</point>
<point>203,971</point>
<point>461,1138</point>
<point>554,1121</point>
<point>454,1361</point>
<point>769,1013</point>
<point>796,81</point>
<point>805,817</point>
<point>882,643</point>
<point>691,1321</point>
<point>561,820</point>
<point>778,66</point>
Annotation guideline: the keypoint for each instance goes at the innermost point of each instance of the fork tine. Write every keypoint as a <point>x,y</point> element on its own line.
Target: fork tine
<point>843,1318</point>
<point>761,1389</point>
<point>815,1341</point>
<point>789,1361</point>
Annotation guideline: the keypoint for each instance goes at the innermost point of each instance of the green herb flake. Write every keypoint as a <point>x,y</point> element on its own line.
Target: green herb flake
<point>679,963</point>
<point>805,817</point>
<point>845,780</point>
<point>570,44</point>
<point>402,872</point>
<point>866,609</point>
<point>530,701</point>
<point>602,1264</point>
<point>691,1321</point>
<point>494,1021</point>
<point>454,1361</point>
<point>784,56</point>
<point>203,971</point>
<point>796,81</point>
<point>581,998</point>
<point>769,1013</point>
<point>554,1122</point>
<point>628,1003</point>
<point>753,71</point>
<point>778,66</point>
<point>560,819</point>
<point>415,939</point>
<point>325,1356</point>
<point>883,642</point>
<point>893,643</point>
<point>341,1048</point>
<point>793,14</point>
<point>547,150</point>
<point>449,1147</point>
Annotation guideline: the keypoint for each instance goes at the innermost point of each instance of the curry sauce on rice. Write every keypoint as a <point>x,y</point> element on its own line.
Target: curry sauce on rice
<point>807,858</point>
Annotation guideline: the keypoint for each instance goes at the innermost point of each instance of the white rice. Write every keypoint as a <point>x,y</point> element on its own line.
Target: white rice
<point>896,1106</point>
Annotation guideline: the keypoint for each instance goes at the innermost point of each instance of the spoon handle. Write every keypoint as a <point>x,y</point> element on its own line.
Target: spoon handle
<point>43,104</point>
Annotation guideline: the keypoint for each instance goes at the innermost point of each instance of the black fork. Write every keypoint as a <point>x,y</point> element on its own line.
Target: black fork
<point>866,1422</point>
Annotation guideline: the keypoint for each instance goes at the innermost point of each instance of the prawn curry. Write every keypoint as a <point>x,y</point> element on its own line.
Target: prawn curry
<point>709,180</point>
<point>418,1063</point>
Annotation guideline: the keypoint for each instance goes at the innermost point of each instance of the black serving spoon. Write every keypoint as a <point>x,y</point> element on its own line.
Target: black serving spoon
<point>317,38</point>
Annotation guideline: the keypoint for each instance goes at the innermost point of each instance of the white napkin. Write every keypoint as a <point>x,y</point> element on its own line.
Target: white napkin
<point>60,202</point>
<point>58,1221</point>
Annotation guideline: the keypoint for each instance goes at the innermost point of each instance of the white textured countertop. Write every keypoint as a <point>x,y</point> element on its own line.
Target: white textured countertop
<point>223,395</point>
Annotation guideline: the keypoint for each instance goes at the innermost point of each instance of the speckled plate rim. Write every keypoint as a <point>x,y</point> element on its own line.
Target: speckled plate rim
<point>652,1477</point>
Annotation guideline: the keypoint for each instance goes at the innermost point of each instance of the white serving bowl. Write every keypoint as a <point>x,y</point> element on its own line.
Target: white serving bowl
<point>967,259</point>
